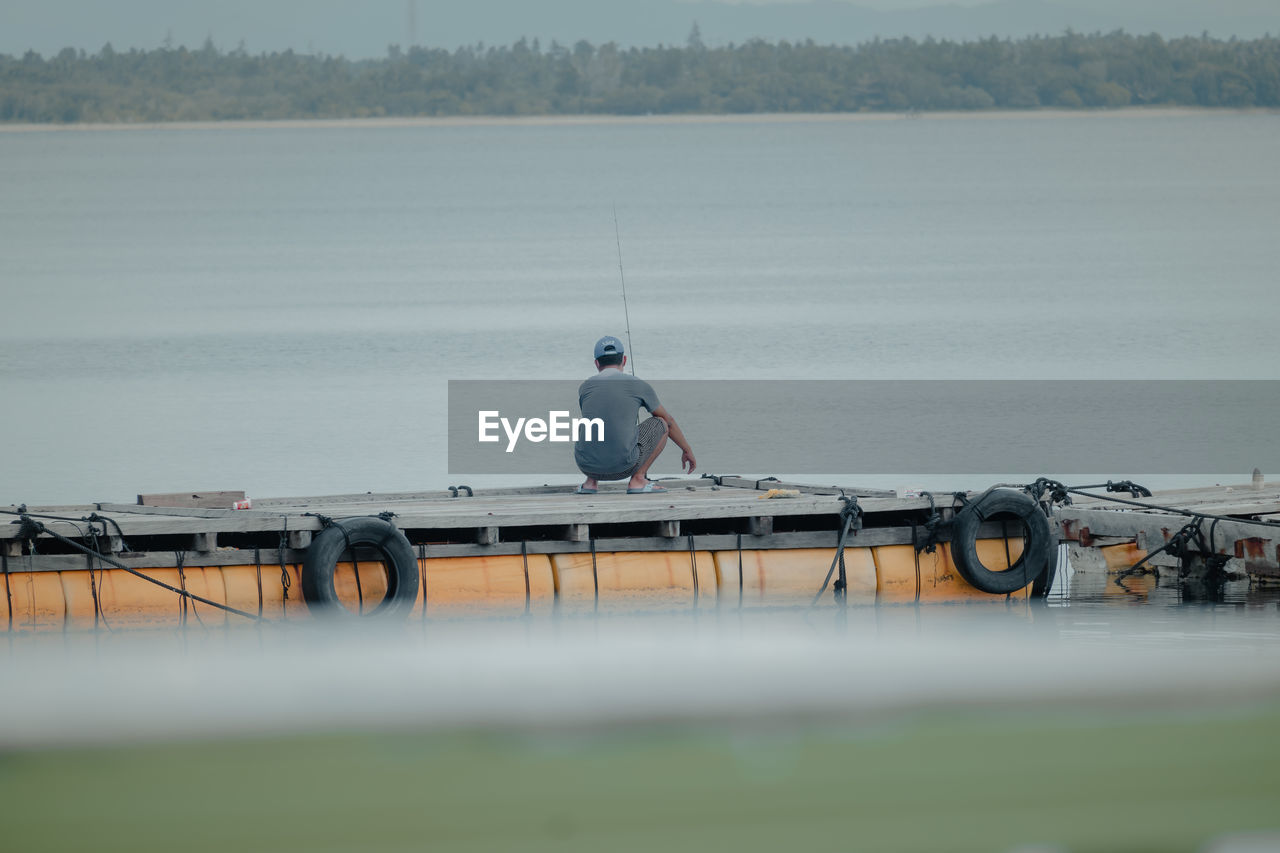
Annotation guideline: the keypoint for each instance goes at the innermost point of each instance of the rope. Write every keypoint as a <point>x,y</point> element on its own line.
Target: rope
<point>741,584</point>
<point>915,548</point>
<point>693,567</point>
<point>1134,490</point>
<point>1004,535</point>
<point>524,554</point>
<point>355,567</point>
<point>8,593</point>
<point>1180,546</point>
<point>1037,490</point>
<point>851,518</point>
<point>93,581</point>
<point>182,577</point>
<point>179,557</point>
<point>285,580</point>
<point>257,562</point>
<point>595,577</point>
<point>21,512</point>
<point>422,575</point>
<point>38,528</point>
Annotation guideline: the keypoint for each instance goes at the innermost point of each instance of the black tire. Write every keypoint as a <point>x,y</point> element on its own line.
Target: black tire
<point>365,532</point>
<point>1036,555</point>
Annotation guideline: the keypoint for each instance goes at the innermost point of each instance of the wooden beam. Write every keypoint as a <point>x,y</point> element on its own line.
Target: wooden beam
<point>445,496</point>
<point>179,512</point>
<point>487,535</point>
<point>577,532</point>
<point>761,525</point>
<point>299,539</point>
<point>207,500</point>
<point>157,560</point>
<point>807,488</point>
<point>668,529</point>
<point>865,538</point>
<point>204,542</point>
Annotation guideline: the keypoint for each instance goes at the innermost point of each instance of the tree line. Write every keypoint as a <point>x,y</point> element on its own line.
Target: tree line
<point>1072,70</point>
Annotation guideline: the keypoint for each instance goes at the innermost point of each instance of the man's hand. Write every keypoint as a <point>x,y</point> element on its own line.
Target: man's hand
<point>687,462</point>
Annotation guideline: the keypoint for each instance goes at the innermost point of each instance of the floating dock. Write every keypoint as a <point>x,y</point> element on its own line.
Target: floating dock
<point>713,542</point>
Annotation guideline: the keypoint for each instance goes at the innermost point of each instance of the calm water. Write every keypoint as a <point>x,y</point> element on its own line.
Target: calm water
<point>278,310</point>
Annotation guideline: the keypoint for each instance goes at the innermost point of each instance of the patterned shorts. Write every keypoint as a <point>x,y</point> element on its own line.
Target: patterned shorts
<point>648,434</point>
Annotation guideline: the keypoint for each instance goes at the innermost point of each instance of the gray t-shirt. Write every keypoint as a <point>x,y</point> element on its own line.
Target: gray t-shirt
<point>614,397</point>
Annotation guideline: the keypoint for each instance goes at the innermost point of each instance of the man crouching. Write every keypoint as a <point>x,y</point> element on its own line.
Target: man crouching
<point>627,449</point>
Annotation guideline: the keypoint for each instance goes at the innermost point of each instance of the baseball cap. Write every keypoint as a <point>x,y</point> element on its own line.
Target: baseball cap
<point>608,345</point>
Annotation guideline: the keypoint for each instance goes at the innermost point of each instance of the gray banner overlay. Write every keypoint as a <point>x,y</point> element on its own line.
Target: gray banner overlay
<point>1056,427</point>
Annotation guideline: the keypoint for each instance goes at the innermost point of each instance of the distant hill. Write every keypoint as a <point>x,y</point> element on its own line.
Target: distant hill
<point>365,28</point>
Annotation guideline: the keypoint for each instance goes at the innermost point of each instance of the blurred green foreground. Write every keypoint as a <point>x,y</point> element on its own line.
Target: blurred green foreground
<point>979,780</point>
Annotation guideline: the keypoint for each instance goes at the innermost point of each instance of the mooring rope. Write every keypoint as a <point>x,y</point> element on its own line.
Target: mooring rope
<point>285,581</point>
<point>422,575</point>
<point>182,585</point>
<point>257,562</point>
<point>595,577</point>
<point>32,528</point>
<point>693,567</point>
<point>1059,492</point>
<point>740,581</point>
<point>851,518</point>
<point>8,593</point>
<point>524,555</point>
<point>915,552</point>
<point>93,582</point>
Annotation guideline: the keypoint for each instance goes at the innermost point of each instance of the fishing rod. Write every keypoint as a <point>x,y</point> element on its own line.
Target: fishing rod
<point>621,275</point>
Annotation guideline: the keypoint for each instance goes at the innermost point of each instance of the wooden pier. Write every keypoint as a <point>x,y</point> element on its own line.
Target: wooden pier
<point>463,522</point>
<point>1103,535</point>
<point>498,532</point>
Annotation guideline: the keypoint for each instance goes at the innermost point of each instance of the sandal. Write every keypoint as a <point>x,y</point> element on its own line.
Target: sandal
<point>650,488</point>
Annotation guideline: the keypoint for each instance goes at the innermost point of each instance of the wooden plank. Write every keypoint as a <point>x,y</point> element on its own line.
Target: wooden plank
<point>204,542</point>
<point>1103,522</point>
<point>807,488</point>
<point>487,536</point>
<point>577,532</point>
<point>556,506</point>
<point>207,500</point>
<point>270,557</point>
<point>299,539</point>
<point>514,512</point>
<point>761,525</point>
<point>180,512</point>
<point>444,495</point>
<point>668,529</point>
<point>76,510</point>
<point>502,511</point>
<point>1237,507</point>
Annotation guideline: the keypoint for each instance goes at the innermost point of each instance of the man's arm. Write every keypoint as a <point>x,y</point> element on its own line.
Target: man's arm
<point>687,462</point>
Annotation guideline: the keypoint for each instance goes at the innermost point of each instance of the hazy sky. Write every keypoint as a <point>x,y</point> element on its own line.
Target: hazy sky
<point>364,28</point>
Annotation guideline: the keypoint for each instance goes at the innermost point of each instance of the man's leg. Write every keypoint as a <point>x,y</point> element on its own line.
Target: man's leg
<point>652,438</point>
